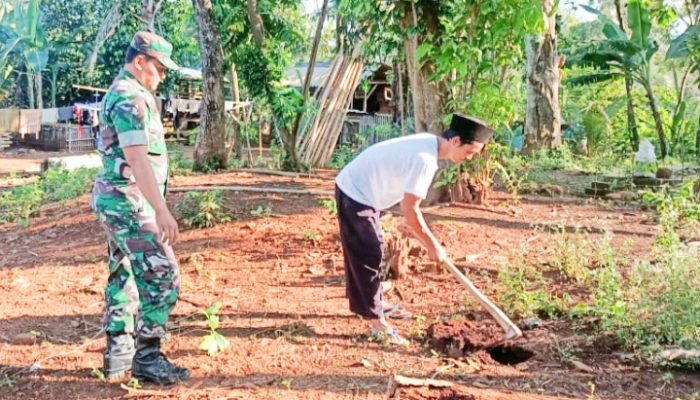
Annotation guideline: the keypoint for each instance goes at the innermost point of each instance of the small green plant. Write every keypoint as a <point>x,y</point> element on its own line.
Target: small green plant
<point>571,255</point>
<point>5,380</point>
<point>261,211</point>
<point>213,342</point>
<point>59,184</point>
<point>202,209</point>
<point>178,164</point>
<point>513,174</point>
<point>211,164</point>
<point>192,136</point>
<point>134,383</point>
<point>287,383</point>
<point>520,289</point>
<point>20,203</point>
<point>682,201</point>
<point>310,236</point>
<point>98,374</point>
<point>330,205</point>
<point>342,155</point>
<point>447,176</point>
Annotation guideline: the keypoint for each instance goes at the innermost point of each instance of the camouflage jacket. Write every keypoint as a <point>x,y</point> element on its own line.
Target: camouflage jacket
<point>130,117</point>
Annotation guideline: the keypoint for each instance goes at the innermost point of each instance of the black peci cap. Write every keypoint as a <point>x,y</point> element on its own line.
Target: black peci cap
<point>470,129</point>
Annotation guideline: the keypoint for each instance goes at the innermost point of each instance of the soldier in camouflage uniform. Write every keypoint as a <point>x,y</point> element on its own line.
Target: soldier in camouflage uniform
<point>128,198</point>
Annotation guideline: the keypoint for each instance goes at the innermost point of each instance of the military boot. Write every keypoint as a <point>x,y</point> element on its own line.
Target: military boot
<point>150,365</point>
<point>118,355</point>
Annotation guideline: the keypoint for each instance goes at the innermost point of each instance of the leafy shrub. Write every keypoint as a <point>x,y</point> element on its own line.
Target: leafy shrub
<point>20,203</point>
<point>202,209</point>
<point>329,205</point>
<point>59,184</point>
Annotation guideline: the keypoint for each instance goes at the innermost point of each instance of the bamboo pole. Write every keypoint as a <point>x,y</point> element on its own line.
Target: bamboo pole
<point>302,140</point>
<point>325,150</point>
<point>315,132</point>
<point>332,107</point>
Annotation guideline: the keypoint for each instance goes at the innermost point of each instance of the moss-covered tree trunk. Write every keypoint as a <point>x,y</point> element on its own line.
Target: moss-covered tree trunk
<point>543,117</point>
<point>210,150</point>
<point>428,96</point>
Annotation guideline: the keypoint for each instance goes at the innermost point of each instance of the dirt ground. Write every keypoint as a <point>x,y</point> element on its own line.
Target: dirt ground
<point>280,280</point>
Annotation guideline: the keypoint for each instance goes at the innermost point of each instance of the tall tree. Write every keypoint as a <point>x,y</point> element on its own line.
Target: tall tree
<point>631,117</point>
<point>543,118</point>
<point>428,94</point>
<point>618,53</point>
<point>210,149</point>
<point>148,16</point>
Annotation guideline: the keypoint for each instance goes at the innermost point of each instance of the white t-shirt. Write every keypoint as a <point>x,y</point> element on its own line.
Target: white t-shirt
<point>381,174</point>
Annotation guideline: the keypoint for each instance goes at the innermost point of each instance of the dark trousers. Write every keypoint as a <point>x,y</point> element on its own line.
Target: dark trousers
<point>362,241</point>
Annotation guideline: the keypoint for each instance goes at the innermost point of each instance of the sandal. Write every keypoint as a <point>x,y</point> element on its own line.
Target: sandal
<point>397,312</point>
<point>388,337</point>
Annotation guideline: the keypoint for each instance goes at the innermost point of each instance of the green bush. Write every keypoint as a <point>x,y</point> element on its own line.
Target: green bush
<point>59,184</point>
<point>520,289</point>
<point>342,155</point>
<point>20,203</point>
<point>202,209</point>
<point>652,304</point>
<point>646,305</point>
<point>177,163</point>
<point>330,205</point>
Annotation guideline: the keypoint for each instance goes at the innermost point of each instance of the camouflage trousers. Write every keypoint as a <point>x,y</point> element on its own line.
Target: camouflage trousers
<point>144,278</point>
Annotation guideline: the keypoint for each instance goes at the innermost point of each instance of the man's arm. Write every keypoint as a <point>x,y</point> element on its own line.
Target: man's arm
<point>410,207</point>
<point>137,158</point>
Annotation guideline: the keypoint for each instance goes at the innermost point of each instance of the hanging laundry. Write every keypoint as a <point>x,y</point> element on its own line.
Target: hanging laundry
<point>9,120</point>
<point>78,113</point>
<point>65,113</point>
<point>29,122</point>
<point>49,115</point>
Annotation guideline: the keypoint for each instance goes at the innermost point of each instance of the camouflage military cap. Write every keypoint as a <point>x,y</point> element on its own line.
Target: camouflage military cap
<point>155,46</point>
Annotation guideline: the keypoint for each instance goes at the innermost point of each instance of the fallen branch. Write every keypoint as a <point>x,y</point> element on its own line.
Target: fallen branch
<point>406,381</point>
<point>135,393</point>
<point>192,302</point>
<point>264,171</point>
<point>312,192</point>
<point>679,354</point>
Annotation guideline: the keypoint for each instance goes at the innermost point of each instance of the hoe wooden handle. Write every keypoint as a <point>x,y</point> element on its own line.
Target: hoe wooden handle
<point>511,330</point>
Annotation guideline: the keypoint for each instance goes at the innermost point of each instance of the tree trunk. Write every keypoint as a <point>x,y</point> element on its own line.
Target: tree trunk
<point>235,94</point>
<point>657,120</point>
<point>543,118</point>
<point>54,78</point>
<point>428,97</point>
<point>210,147</point>
<point>148,14</point>
<point>39,90</point>
<point>256,24</point>
<point>697,141</point>
<point>310,68</point>
<point>30,88</point>
<point>631,117</point>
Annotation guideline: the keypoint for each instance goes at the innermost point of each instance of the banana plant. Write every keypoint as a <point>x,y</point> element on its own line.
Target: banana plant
<point>687,46</point>
<point>619,53</point>
<point>21,34</point>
